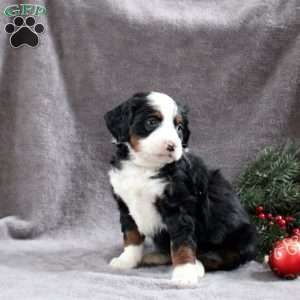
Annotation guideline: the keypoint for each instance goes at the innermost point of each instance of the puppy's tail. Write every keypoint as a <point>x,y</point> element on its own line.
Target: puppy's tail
<point>156,258</point>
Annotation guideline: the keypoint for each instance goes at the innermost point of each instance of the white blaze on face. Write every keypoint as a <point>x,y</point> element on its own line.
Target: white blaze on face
<point>153,149</point>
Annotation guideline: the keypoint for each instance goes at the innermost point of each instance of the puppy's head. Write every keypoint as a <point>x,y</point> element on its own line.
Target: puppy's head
<point>153,126</point>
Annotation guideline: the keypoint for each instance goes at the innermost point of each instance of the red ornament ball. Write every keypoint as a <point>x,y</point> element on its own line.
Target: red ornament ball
<point>284,259</point>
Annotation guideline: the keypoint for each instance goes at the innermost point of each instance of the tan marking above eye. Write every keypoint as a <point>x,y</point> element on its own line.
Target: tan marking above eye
<point>178,119</point>
<point>158,115</point>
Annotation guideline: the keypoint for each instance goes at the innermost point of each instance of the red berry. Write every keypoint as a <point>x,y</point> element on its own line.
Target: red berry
<point>296,231</point>
<point>278,218</point>
<point>281,223</point>
<point>259,209</point>
<point>270,216</point>
<point>289,219</point>
<point>261,216</point>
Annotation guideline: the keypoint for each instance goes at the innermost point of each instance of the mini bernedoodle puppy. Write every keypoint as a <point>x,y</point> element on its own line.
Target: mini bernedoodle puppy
<point>166,193</point>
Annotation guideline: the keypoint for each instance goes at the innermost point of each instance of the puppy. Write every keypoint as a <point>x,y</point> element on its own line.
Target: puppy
<point>164,192</point>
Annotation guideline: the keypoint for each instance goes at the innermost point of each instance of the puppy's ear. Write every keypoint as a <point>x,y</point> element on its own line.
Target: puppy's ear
<point>183,109</point>
<point>118,121</point>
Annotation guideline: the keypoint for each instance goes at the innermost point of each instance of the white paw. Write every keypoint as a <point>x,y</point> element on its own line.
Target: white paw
<point>129,259</point>
<point>200,269</point>
<point>187,275</point>
<point>122,263</point>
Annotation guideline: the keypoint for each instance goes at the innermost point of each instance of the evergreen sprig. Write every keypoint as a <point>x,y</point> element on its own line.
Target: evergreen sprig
<point>273,182</point>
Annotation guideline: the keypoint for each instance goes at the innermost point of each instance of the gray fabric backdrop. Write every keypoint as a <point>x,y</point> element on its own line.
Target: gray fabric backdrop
<point>236,63</point>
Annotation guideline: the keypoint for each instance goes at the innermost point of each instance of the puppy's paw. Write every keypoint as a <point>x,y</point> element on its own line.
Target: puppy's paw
<point>187,275</point>
<point>122,263</point>
<point>129,259</point>
<point>200,269</point>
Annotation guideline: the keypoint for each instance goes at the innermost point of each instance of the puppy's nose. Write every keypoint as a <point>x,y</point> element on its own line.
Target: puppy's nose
<point>170,146</point>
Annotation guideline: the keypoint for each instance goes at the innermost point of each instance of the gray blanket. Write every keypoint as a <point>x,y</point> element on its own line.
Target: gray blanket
<point>235,63</point>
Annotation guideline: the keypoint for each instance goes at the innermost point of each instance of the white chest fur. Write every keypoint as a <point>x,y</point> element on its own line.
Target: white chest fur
<point>139,191</point>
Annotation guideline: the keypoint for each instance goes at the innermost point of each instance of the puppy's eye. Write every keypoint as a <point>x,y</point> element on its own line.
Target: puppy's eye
<point>152,123</point>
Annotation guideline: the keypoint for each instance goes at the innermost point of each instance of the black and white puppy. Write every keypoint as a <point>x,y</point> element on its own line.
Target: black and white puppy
<point>164,192</point>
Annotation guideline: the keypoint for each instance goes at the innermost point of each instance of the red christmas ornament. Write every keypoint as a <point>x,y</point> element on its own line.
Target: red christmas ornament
<point>284,259</point>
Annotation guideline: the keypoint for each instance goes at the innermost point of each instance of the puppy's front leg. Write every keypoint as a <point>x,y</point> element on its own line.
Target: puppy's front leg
<point>133,242</point>
<point>187,269</point>
<point>132,253</point>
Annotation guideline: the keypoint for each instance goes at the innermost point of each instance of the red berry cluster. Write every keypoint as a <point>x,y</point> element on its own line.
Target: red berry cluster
<point>281,221</point>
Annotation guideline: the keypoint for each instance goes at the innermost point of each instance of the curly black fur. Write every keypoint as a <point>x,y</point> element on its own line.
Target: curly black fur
<point>202,211</point>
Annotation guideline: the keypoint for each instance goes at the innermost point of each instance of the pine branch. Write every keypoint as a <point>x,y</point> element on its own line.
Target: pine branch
<point>273,182</point>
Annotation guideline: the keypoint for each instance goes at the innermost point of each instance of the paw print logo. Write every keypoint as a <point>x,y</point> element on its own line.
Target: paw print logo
<point>24,32</point>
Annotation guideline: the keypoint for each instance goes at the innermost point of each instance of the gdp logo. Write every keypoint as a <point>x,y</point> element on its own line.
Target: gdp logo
<point>24,30</point>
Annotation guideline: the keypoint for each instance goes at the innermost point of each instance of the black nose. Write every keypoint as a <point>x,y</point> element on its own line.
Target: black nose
<point>170,147</point>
